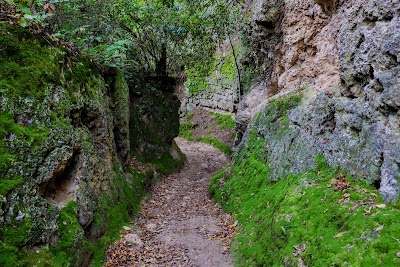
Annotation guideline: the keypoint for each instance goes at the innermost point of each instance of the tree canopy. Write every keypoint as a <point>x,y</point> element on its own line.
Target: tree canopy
<point>146,36</point>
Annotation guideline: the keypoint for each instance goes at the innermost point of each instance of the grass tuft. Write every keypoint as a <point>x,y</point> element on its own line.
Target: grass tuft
<point>225,121</point>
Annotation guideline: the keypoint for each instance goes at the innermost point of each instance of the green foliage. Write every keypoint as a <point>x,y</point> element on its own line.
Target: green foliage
<point>228,67</point>
<point>27,11</point>
<point>197,75</point>
<point>307,217</point>
<point>133,34</point>
<point>224,121</point>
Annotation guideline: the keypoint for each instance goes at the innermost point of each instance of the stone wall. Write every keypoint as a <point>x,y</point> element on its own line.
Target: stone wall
<point>224,100</point>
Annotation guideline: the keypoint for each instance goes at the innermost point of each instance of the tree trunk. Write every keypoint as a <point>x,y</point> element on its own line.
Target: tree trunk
<point>240,89</point>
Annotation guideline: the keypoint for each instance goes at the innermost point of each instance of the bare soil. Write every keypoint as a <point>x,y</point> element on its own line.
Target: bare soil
<point>180,225</point>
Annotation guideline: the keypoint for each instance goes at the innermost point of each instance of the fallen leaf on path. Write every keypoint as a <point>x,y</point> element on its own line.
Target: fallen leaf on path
<point>299,249</point>
<point>368,211</point>
<point>378,229</point>
<point>339,235</point>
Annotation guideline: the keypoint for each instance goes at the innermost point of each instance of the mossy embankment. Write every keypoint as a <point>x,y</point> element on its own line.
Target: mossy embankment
<point>208,127</point>
<point>65,180</point>
<point>316,217</point>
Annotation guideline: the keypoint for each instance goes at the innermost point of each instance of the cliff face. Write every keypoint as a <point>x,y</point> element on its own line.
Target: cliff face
<point>64,147</point>
<point>343,56</point>
<point>218,88</point>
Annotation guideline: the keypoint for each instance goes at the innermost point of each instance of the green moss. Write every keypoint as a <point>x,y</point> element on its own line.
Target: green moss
<point>49,89</point>
<point>12,238</point>
<point>197,76</point>
<point>16,234</point>
<point>305,216</point>
<point>279,107</point>
<point>249,75</point>
<point>154,121</point>
<point>26,66</point>
<point>196,83</point>
<point>215,142</point>
<point>6,185</point>
<point>189,116</point>
<point>228,68</point>
<point>10,131</point>
<point>224,121</point>
<point>9,255</point>
<point>68,228</point>
<point>165,163</point>
<point>118,209</point>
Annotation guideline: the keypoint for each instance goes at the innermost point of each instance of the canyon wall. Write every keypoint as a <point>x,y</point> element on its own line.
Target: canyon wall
<point>67,135</point>
<point>343,57</point>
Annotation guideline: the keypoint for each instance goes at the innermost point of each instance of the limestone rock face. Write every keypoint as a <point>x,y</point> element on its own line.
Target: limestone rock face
<point>344,56</point>
<point>66,123</point>
<point>65,141</point>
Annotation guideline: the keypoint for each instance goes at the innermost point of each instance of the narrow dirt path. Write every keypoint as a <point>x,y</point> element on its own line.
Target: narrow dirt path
<point>180,225</point>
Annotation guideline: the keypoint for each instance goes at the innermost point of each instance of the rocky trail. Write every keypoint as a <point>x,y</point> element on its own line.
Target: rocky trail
<point>179,225</point>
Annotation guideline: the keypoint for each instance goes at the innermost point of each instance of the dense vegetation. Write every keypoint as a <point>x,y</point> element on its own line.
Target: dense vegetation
<point>138,35</point>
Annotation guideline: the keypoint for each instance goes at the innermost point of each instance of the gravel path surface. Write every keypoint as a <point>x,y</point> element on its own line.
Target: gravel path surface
<point>180,225</point>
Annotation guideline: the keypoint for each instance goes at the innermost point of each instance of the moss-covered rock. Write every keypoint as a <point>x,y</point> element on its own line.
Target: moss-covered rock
<point>294,208</point>
<point>317,217</point>
<point>154,123</point>
<point>213,84</point>
<point>64,140</point>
